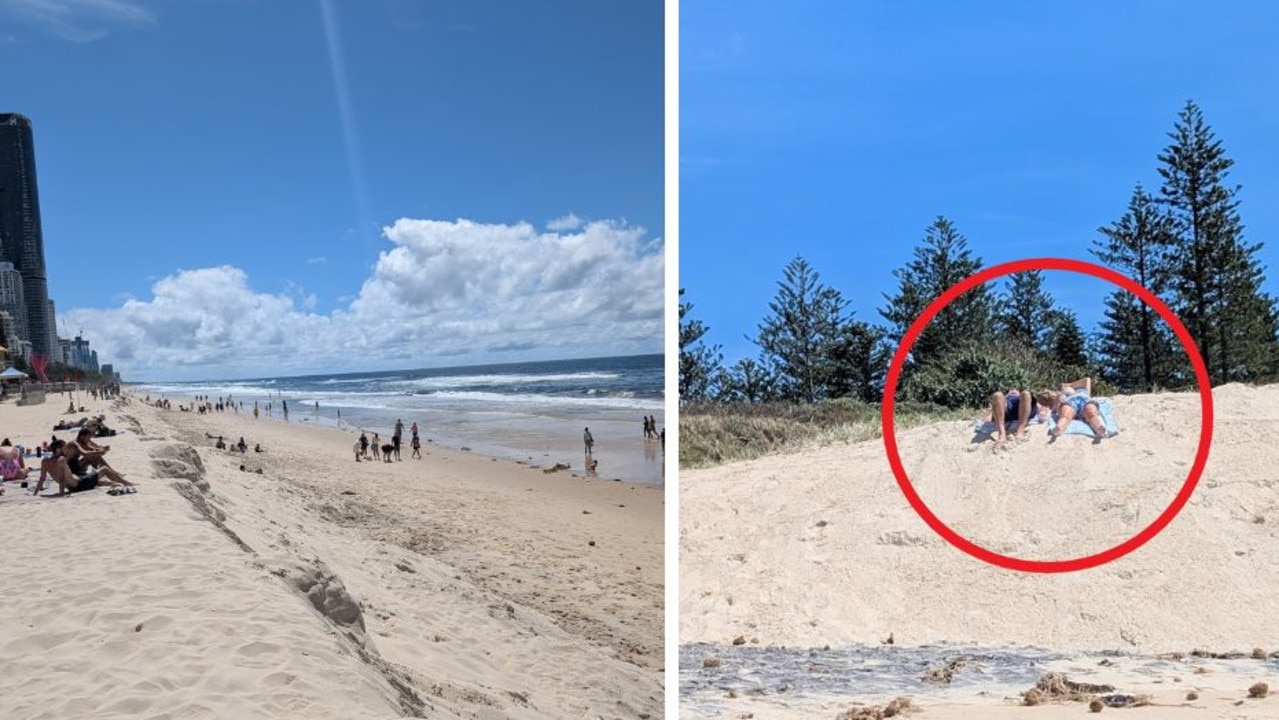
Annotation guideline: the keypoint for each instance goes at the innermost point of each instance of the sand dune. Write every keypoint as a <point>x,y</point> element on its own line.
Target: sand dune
<point>821,547</point>
<point>323,588</point>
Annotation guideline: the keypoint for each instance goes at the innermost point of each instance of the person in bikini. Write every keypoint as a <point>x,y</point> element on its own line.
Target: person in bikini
<point>1074,400</point>
<point>12,466</point>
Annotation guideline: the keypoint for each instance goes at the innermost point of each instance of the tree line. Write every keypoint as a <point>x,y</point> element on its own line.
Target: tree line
<point>1185,244</point>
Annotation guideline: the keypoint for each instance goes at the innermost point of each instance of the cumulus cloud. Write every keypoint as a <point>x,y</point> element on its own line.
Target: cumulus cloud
<point>445,293</point>
<point>568,222</point>
<point>77,20</point>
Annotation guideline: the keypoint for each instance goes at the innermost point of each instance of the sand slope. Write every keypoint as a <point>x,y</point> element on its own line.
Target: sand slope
<point>822,548</point>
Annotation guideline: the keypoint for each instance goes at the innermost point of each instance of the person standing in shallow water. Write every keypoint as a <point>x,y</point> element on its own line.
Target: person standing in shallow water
<point>589,440</point>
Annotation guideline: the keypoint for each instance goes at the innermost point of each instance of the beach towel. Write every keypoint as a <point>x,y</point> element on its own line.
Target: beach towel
<point>987,427</point>
<point>1079,427</point>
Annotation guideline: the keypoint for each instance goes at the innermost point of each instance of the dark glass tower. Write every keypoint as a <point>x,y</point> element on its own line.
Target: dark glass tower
<point>21,241</point>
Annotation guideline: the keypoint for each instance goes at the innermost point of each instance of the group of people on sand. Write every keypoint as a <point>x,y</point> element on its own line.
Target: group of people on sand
<point>1021,407</point>
<point>388,451</point>
<point>240,447</point>
<point>75,465</point>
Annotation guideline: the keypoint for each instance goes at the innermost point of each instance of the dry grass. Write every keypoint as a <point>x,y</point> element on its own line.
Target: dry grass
<point>717,433</point>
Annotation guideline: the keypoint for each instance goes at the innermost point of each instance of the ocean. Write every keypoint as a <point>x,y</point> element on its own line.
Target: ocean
<point>531,412</point>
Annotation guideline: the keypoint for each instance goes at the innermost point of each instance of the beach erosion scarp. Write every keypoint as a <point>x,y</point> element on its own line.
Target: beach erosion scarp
<point>456,585</point>
<point>819,548</point>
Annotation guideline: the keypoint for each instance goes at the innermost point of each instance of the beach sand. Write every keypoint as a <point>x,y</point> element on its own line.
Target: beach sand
<point>820,548</point>
<point>452,586</point>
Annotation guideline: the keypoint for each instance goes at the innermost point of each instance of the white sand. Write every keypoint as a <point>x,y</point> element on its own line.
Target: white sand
<point>452,586</point>
<point>757,560</point>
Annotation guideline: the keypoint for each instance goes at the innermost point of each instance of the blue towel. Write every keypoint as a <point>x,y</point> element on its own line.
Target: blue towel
<point>1079,427</point>
<point>987,427</point>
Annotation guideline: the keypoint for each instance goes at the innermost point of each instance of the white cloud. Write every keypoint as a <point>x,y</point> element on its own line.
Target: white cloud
<point>568,222</point>
<point>77,20</point>
<point>446,293</point>
<point>317,260</point>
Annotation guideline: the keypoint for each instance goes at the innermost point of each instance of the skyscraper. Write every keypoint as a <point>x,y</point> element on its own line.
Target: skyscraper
<point>11,301</point>
<point>21,240</point>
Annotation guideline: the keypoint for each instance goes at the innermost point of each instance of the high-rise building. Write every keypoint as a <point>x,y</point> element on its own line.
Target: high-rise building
<point>11,302</point>
<point>21,240</point>
<point>53,329</point>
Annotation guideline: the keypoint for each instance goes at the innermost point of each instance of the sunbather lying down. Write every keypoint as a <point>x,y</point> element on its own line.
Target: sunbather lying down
<point>1018,404</point>
<point>1073,400</point>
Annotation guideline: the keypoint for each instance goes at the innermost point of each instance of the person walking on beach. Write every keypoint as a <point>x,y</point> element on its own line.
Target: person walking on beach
<point>376,445</point>
<point>589,440</point>
<point>255,409</point>
<point>364,445</point>
<point>416,443</point>
<point>284,404</point>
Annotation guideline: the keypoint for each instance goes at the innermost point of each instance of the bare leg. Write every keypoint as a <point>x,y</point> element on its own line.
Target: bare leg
<point>1065,414</point>
<point>997,415</point>
<point>1092,416</point>
<point>108,476</point>
<point>1023,414</point>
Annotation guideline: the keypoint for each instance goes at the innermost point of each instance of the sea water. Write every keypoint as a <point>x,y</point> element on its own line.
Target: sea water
<point>799,677</point>
<point>531,412</point>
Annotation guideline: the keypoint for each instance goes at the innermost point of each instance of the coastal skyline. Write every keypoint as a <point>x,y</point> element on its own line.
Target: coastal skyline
<point>403,187</point>
<point>847,129</point>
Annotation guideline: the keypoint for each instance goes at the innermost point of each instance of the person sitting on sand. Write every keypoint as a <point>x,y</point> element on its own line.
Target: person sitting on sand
<point>242,446</point>
<point>220,444</point>
<point>1018,404</point>
<point>257,447</point>
<point>80,457</point>
<point>12,466</point>
<point>65,474</point>
<point>1074,400</point>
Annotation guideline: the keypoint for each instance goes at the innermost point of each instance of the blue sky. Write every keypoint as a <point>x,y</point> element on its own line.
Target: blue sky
<point>216,176</point>
<point>839,131</point>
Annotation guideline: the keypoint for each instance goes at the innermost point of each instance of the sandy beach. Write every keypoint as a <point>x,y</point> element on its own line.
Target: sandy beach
<point>457,585</point>
<point>819,552</point>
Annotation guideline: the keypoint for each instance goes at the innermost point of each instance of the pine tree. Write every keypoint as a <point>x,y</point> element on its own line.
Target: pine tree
<point>939,263</point>
<point>797,339</point>
<point>1066,342</point>
<point>698,363</point>
<point>859,362</point>
<point>1025,313</point>
<point>1217,277</point>
<point>1138,349</point>
<point>747,381</point>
